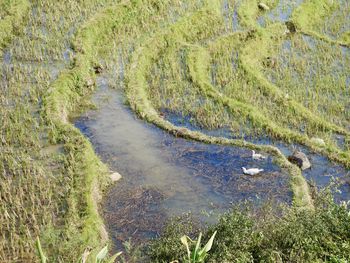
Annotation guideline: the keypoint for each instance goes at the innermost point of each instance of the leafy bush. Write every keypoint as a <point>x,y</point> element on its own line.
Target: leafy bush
<point>169,248</point>
<point>267,235</point>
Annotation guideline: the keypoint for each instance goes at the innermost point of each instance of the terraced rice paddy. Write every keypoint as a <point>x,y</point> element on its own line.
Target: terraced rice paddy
<point>204,83</point>
<point>165,176</point>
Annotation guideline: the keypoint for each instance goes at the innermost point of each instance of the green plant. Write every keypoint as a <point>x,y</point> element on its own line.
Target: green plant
<point>198,254</point>
<point>101,256</point>
<point>43,258</point>
<point>272,234</point>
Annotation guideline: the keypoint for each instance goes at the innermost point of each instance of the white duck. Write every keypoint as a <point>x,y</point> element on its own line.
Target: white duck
<point>257,156</point>
<point>252,171</point>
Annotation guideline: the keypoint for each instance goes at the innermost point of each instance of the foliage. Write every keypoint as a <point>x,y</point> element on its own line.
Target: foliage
<point>291,235</point>
<point>198,254</point>
<point>100,257</point>
<point>170,241</point>
<point>59,189</point>
<point>11,12</point>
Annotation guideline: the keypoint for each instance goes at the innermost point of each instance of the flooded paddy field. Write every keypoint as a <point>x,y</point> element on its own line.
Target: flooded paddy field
<point>322,173</point>
<point>165,176</point>
<point>174,96</point>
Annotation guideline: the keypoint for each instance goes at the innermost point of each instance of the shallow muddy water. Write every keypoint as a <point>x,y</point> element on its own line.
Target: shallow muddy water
<point>323,171</point>
<point>164,176</point>
<point>281,13</point>
<point>338,22</point>
<point>230,14</point>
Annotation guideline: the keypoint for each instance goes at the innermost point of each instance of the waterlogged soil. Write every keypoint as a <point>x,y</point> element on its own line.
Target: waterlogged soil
<point>281,13</point>
<point>338,22</point>
<point>165,176</point>
<point>230,15</point>
<point>326,81</point>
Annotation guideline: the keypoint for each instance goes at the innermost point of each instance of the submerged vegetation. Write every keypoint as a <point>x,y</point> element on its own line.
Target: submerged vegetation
<point>209,60</point>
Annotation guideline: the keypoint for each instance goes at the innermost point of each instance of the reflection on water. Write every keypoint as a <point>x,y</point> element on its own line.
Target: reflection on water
<point>322,173</point>
<point>230,15</point>
<point>281,13</point>
<point>165,176</point>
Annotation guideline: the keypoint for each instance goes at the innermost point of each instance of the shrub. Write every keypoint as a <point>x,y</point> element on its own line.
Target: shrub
<point>288,234</point>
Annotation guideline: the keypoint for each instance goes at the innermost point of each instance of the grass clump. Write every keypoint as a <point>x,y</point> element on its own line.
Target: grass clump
<point>291,235</point>
<point>337,25</point>
<point>249,11</point>
<point>11,12</point>
<point>311,13</point>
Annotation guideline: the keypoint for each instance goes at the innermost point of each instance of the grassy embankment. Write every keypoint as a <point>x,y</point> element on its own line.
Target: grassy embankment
<point>312,13</point>
<point>35,175</point>
<point>70,90</point>
<point>318,236</point>
<point>137,87</point>
<point>185,132</point>
<point>253,61</point>
<point>274,104</point>
<point>316,125</point>
<point>47,165</point>
<point>258,241</point>
<point>75,214</point>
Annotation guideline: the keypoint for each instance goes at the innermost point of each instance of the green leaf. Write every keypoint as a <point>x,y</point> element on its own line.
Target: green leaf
<point>113,258</point>
<point>43,259</point>
<point>195,252</point>
<point>102,254</point>
<point>209,244</point>
<point>184,241</point>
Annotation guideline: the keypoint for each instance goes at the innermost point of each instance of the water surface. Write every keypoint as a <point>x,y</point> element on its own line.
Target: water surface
<point>164,176</point>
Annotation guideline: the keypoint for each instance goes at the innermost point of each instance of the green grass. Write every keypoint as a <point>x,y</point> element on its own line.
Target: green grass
<point>64,97</point>
<point>59,188</point>
<point>248,235</point>
<point>137,91</point>
<point>11,12</point>
<point>178,56</point>
<point>249,11</point>
<point>310,16</point>
<point>51,184</point>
